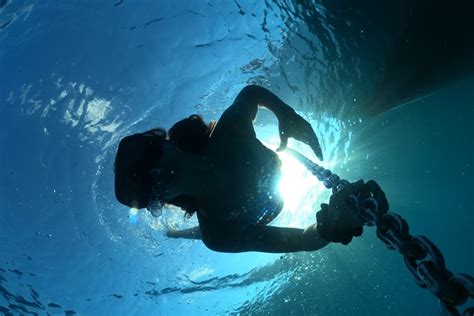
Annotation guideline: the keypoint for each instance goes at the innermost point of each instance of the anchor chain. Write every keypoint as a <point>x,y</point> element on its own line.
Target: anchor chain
<point>422,258</point>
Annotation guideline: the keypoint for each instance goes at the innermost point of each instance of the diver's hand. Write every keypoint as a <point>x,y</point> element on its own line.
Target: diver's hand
<point>293,125</point>
<point>339,221</point>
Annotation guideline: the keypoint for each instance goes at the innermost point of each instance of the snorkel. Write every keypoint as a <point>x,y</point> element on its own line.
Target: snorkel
<point>159,180</point>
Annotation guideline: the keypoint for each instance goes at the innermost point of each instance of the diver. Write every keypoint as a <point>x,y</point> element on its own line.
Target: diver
<point>222,173</point>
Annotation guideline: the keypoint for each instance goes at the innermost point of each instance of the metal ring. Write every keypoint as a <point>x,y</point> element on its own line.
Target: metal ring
<point>432,251</point>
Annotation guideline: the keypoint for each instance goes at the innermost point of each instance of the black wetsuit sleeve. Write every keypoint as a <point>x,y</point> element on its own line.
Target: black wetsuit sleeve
<point>189,233</point>
<point>235,237</point>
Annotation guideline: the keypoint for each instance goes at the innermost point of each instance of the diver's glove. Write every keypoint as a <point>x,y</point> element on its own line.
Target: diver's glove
<point>339,221</point>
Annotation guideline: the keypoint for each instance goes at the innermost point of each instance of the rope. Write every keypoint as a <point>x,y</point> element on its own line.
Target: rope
<point>423,259</point>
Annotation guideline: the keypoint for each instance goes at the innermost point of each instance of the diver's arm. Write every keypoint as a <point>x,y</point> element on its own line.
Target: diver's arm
<point>253,96</point>
<point>190,233</point>
<point>232,238</point>
<point>238,118</point>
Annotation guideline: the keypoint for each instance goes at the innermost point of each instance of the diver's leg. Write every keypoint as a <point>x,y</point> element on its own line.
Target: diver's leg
<point>190,233</point>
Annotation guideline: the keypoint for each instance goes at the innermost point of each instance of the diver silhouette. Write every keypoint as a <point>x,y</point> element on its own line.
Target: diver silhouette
<point>223,173</point>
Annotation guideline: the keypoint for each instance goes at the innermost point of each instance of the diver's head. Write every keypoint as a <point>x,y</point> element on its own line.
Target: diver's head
<point>137,156</point>
<point>143,177</point>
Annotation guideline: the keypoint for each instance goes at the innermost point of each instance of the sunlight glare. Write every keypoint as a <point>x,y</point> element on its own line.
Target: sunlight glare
<point>299,189</point>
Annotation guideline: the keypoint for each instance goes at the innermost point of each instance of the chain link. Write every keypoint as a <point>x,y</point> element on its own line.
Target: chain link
<point>423,259</point>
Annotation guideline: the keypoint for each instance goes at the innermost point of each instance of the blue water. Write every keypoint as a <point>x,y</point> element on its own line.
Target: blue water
<point>76,77</point>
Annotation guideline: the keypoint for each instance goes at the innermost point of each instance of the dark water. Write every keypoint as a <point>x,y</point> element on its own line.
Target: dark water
<point>76,77</point>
